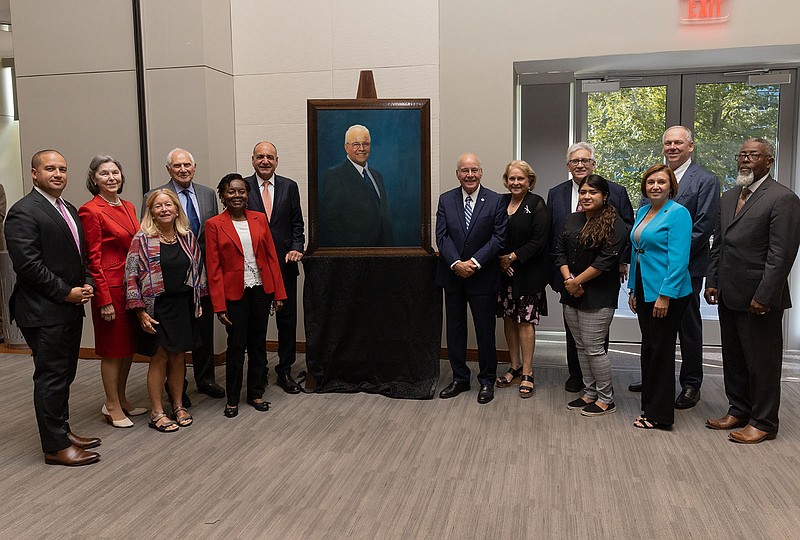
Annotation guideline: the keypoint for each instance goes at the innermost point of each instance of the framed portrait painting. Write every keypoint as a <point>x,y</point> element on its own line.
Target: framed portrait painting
<point>369,176</point>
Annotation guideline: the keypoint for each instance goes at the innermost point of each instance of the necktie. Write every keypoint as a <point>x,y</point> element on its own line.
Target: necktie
<point>267,199</point>
<point>70,224</point>
<point>742,199</point>
<point>468,210</point>
<point>191,213</point>
<point>369,182</point>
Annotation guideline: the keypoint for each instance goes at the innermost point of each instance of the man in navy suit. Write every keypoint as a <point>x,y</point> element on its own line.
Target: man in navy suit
<point>354,208</point>
<point>562,200</point>
<point>279,198</point>
<point>47,248</point>
<point>470,230</point>
<point>698,192</point>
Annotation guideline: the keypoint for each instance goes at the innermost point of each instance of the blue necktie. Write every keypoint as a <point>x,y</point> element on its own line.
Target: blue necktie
<point>369,182</point>
<point>191,213</point>
<point>468,210</point>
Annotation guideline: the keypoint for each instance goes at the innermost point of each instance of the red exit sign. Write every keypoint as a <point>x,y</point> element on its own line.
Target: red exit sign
<point>703,11</point>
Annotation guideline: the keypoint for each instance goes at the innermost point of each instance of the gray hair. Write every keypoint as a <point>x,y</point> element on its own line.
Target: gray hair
<point>768,144</point>
<point>355,127</point>
<point>98,160</point>
<point>581,145</point>
<point>689,134</point>
<point>169,155</point>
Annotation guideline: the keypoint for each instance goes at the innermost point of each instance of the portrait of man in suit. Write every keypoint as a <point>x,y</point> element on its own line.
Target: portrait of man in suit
<point>471,223</point>
<point>354,207</point>
<point>47,248</point>
<point>755,244</point>
<point>279,198</point>
<point>200,203</point>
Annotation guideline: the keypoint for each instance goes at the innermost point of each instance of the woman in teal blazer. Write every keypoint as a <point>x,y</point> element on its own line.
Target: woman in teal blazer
<point>660,286</point>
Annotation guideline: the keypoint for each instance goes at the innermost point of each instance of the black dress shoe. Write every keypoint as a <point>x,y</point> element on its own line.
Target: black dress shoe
<point>212,390</point>
<point>231,411</point>
<point>259,405</point>
<point>635,386</point>
<point>71,456</point>
<point>288,384</point>
<point>486,393</point>
<point>453,389</point>
<point>573,384</point>
<point>83,442</point>
<point>688,398</point>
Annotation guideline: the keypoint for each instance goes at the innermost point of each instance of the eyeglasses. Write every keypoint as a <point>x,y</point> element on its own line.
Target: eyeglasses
<point>359,144</point>
<point>582,161</point>
<point>473,170</point>
<point>753,156</point>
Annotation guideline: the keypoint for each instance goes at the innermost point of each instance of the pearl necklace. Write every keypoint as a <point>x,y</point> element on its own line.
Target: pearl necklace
<point>119,202</point>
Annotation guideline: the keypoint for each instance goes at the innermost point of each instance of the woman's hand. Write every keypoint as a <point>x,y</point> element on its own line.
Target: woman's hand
<point>107,312</point>
<point>278,305</point>
<point>505,263</point>
<point>222,316</point>
<point>632,303</point>
<point>146,321</point>
<point>661,307</point>
<point>573,288</point>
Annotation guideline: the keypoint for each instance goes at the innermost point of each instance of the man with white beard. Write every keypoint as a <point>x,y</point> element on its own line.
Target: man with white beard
<point>755,244</point>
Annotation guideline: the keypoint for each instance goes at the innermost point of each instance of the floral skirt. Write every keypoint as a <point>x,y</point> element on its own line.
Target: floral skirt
<point>525,309</point>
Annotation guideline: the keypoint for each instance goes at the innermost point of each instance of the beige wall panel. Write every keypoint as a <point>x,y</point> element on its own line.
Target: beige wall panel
<point>173,33</point>
<point>386,34</point>
<point>402,82</point>
<point>278,99</point>
<point>12,172</point>
<point>217,46</point>
<point>280,37</point>
<point>221,133</point>
<point>72,37</point>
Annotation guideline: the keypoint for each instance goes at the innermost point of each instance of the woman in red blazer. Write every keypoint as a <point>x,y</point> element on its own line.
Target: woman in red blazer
<point>244,279</point>
<point>109,224</point>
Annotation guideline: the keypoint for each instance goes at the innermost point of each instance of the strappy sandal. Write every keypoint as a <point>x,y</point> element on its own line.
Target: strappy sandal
<point>502,382</point>
<point>526,391</point>
<point>643,423</point>
<point>167,426</point>
<point>183,421</point>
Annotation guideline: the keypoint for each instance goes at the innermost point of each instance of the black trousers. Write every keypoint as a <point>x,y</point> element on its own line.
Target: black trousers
<point>691,334</point>
<point>55,358</point>
<point>286,322</point>
<point>482,307</point>
<point>203,356</point>
<point>752,354</point>
<point>249,316</point>
<point>659,339</point>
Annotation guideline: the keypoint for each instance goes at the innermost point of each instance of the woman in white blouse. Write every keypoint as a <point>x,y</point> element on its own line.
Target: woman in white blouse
<point>244,279</point>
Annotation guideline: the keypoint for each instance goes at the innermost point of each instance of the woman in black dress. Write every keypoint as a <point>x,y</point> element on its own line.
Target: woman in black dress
<point>165,281</point>
<point>526,270</point>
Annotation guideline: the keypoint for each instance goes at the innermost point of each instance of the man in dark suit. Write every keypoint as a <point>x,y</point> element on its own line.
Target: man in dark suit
<point>698,192</point>
<point>562,200</point>
<point>354,209</point>
<point>755,245</point>
<point>281,203</point>
<point>200,203</point>
<point>470,230</point>
<point>46,245</point>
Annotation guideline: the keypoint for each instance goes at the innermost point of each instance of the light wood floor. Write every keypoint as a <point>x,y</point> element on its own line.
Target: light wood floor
<point>365,466</point>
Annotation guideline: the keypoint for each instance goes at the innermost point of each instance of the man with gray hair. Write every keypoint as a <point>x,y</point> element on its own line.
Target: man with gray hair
<point>562,200</point>
<point>354,208</point>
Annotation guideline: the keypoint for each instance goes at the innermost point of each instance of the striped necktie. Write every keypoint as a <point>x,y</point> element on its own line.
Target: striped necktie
<point>468,210</point>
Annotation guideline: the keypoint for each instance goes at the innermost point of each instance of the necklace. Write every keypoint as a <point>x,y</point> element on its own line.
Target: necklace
<point>117,203</point>
<point>166,240</point>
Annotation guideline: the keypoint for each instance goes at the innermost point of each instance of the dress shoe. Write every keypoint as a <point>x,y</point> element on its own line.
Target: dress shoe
<point>635,386</point>
<point>83,442</point>
<point>726,422</point>
<point>573,384</point>
<point>688,398</point>
<point>137,411</point>
<point>288,384</point>
<point>125,422</point>
<point>453,389</point>
<point>71,456</point>
<point>231,411</point>
<point>486,393</point>
<point>751,435</point>
<point>259,405</point>
<point>212,390</point>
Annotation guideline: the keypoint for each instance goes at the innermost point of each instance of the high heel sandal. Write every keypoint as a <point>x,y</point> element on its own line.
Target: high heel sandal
<point>502,382</point>
<point>124,423</point>
<point>526,391</point>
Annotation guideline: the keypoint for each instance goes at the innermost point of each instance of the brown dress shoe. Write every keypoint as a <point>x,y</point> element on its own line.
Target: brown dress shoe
<point>83,442</point>
<point>751,435</point>
<point>726,422</point>
<point>71,456</point>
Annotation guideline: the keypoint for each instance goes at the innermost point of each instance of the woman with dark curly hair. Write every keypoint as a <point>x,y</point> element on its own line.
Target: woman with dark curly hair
<point>587,256</point>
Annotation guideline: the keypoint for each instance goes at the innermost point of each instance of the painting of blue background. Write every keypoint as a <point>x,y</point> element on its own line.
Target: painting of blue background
<point>395,153</point>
